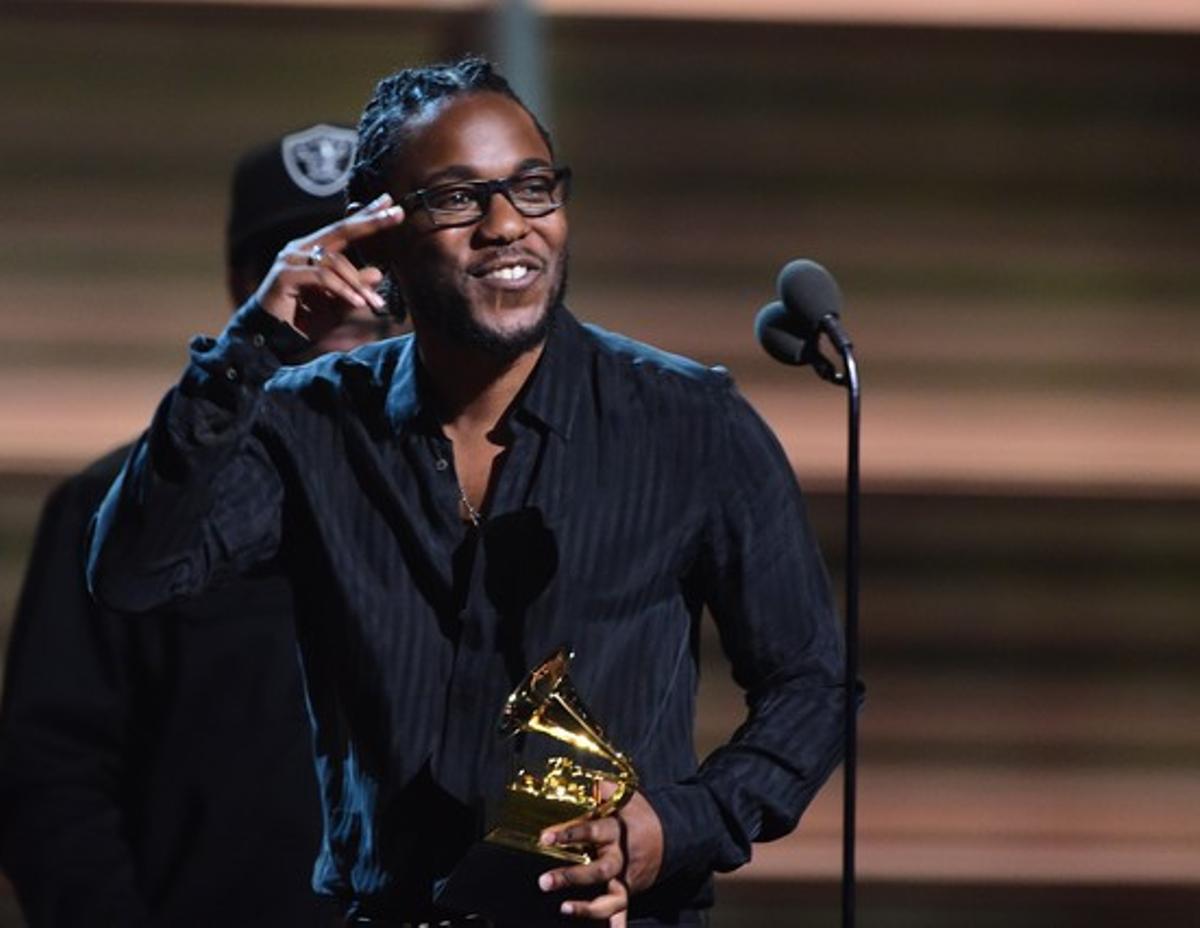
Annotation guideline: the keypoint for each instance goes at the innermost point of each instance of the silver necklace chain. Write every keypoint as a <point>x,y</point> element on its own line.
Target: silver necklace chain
<point>467,512</point>
<point>474,516</point>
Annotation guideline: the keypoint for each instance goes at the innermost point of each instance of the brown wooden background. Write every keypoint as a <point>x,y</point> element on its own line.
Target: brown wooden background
<point>1015,219</point>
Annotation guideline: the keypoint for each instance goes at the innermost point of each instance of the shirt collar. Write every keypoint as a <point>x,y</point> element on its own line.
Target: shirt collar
<point>549,396</point>
<point>552,391</point>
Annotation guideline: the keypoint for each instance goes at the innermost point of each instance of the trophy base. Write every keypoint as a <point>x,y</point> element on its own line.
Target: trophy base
<point>500,881</point>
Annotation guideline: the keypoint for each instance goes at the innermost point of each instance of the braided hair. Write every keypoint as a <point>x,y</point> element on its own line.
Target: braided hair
<point>403,96</point>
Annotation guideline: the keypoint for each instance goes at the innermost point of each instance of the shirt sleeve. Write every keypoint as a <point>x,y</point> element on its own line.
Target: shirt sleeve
<point>199,495</point>
<point>63,831</point>
<point>762,576</point>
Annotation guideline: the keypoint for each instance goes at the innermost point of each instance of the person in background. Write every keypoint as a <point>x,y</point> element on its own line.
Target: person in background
<point>134,750</point>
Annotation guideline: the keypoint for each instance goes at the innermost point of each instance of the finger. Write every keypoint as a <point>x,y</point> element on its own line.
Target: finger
<point>324,280</point>
<point>376,216</point>
<point>340,265</point>
<point>595,831</point>
<point>370,275</point>
<point>609,905</point>
<point>606,867</point>
<point>381,202</point>
<point>301,253</point>
<point>579,875</point>
<point>378,207</point>
<point>297,254</point>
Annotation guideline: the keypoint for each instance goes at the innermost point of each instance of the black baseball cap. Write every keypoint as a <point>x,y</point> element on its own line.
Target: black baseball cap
<point>286,188</point>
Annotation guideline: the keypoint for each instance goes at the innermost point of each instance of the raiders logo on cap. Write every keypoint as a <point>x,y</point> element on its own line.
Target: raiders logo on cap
<point>318,159</point>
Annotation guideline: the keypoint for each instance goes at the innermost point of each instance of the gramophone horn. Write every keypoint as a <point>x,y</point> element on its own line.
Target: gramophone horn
<point>546,702</point>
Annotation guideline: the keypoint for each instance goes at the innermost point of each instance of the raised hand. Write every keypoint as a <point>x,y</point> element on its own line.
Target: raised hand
<point>312,284</point>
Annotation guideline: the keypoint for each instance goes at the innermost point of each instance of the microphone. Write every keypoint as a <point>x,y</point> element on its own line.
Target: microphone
<point>782,335</point>
<point>810,293</point>
<point>785,336</point>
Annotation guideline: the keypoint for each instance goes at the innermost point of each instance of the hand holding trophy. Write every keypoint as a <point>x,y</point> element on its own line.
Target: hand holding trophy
<point>498,877</point>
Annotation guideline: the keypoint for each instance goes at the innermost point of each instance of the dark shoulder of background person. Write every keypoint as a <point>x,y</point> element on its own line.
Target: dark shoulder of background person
<point>154,769</point>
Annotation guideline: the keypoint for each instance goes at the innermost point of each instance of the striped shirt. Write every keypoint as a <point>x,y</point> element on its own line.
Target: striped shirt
<point>635,489</point>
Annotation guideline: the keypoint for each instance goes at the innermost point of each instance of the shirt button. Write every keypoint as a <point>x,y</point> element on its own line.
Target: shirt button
<point>441,464</point>
<point>258,340</point>
<point>231,373</point>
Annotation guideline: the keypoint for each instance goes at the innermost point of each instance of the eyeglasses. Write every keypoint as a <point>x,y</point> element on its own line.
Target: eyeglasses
<point>532,193</point>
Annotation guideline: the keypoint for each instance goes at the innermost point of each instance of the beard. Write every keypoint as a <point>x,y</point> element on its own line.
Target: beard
<point>444,307</point>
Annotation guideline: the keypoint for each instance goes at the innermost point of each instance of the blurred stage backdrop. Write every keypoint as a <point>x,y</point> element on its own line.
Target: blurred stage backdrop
<point>1012,206</point>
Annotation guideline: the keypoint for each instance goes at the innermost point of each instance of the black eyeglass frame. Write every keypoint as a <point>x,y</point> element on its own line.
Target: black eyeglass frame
<point>482,192</point>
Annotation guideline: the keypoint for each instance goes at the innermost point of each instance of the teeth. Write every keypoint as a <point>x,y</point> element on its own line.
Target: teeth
<point>515,272</point>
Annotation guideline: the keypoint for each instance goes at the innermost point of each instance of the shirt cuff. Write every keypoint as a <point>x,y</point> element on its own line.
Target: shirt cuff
<point>252,348</point>
<point>253,324</point>
<point>692,829</point>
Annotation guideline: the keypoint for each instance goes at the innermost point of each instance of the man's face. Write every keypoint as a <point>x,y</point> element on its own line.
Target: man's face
<point>495,283</point>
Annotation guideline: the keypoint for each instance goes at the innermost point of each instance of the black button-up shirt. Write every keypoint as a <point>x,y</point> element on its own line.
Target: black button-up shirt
<point>635,488</point>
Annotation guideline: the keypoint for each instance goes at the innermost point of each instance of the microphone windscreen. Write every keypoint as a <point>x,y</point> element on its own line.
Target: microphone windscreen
<point>809,292</point>
<point>780,333</point>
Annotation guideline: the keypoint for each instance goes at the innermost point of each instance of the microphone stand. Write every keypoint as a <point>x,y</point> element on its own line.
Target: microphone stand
<point>850,764</point>
<point>790,332</point>
<point>848,378</point>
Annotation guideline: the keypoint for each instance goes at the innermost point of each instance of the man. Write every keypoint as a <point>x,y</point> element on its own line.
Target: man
<point>134,750</point>
<point>453,505</point>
